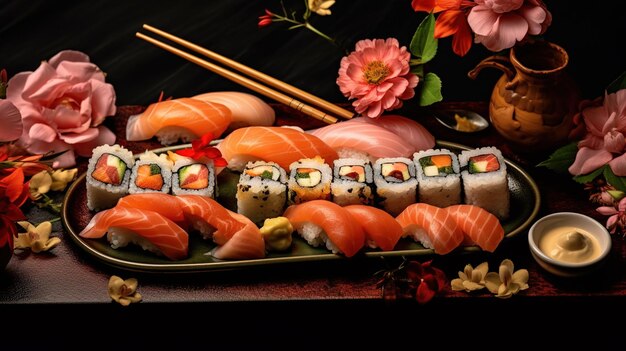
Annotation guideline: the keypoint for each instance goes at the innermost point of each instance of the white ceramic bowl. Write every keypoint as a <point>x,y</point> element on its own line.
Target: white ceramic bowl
<point>570,219</point>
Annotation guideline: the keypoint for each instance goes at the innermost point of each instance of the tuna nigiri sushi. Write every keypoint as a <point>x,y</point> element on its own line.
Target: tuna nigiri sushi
<point>272,144</point>
<point>245,244</point>
<point>479,226</point>
<point>363,140</point>
<point>247,109</point>
<point>324,222</point>
<point>407,129</point>
<point>150,230</point>
<point>184,118</point>
<point>432,226</point>
<point>380,228</point>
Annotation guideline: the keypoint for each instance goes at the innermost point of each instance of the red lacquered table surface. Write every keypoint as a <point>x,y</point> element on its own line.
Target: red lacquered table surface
<point>68,276</point>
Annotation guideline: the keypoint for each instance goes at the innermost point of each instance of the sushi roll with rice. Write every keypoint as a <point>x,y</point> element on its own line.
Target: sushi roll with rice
<point>396,186</point>
<point>485,180</point>
<point>261,191</point>
<point>352,182</point>
<point>192,177</point>
<point>151,173</point>
<point>309,179</point>
<point>438,177</point>
<point>108,175</point>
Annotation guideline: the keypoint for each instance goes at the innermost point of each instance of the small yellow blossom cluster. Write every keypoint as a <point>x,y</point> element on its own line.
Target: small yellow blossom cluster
<point>45,181</point>
<point>37,238</point>
<point>503,284</point>
<point>123,291</point>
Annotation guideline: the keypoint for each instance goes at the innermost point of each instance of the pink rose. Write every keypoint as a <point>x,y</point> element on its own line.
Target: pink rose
<point>62,105</point>
<point>377,75</point>
<point>605,141</point>
<point>499,24</point>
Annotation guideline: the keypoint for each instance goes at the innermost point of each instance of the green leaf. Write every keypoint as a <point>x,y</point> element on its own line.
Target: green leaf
<point>418,70</point>
<point>561,159</point>
<point>618,84</point>
<point>424,45</point>
<point>617,182</point>
<point>431,89</point>
<point>588,178</point>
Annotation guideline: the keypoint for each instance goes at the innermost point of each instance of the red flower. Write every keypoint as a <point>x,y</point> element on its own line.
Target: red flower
<point>13,194</point>
<point>451,21</point>
<point>429,280</point>
<point>30,164</point>
<point>202,148</point>
<point>266,19</point>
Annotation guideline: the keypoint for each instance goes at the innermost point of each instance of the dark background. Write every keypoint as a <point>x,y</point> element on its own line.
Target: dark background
<point>31,31</point>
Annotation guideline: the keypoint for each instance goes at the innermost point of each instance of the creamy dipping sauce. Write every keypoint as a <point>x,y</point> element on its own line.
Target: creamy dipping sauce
<point>569,244</point>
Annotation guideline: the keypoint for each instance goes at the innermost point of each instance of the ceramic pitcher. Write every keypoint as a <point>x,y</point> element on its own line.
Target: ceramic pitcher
<point>533,103</point>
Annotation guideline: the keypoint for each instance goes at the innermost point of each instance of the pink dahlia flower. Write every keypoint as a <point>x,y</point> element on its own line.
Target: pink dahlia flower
<point>605,141</point>
<point>499,24</point>
<point>377,75</point>
<point>62,104</point>
<point>11,121</point>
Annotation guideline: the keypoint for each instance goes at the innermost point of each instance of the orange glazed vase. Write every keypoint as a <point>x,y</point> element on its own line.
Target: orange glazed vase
<point>533,103</point>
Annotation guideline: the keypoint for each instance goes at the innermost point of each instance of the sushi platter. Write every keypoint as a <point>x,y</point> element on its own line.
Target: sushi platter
<point>524,206</point>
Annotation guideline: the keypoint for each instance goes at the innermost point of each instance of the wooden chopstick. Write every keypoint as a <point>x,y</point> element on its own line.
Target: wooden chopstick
<point>262,77</point>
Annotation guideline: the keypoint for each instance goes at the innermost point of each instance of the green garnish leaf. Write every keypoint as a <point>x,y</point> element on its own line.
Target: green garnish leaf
<point>588,178</point>
<point>561,159</point>
<point>617,182</point>
<point>431,89</point>
<point>424,44</point>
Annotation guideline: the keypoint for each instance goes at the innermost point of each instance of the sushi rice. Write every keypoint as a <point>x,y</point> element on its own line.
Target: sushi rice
<point>394,194</point>
<point>261,196</point>
<point>160,163</point>
<point>108,176</point>
<point>443,188</point>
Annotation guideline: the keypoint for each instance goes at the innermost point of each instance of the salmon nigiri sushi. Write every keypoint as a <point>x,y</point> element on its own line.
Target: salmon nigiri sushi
<point>247,109</point>
<point>166,205</point>
<point>148,229</point>
<point>272,144</point>
<point>186,119</point>
<point>245,244</point>
<point>210,218</point>
<point>434,227</point>
<point>324,222</point>
<point>479,226</point>
<point>380,228</point>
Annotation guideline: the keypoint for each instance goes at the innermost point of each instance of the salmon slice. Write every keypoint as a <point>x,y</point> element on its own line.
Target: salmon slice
<point>245,244</point>
<point>247,109</point>
<point>479,226</point>
<point>432,226</point>
<point>183,118</point>
<point>170,239</point>
<point>407,129</point>
<point>166,205</point>
<point>209,217</point>
<point>380,228</point>
<point>337,225</point>
<point>273,144</point>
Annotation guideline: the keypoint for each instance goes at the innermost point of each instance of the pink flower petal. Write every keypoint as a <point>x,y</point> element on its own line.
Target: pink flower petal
<point>43,77</point>
<point>535,16</point>
<point>105,136</point>
<point>68,55</point>
<point>618,165</point>
<point>606,210</point>
<point>65,160</point>
<point>595,118</point>
<point>614,142</point>
<point>80,71</point>
<point>509,29</point>
<point>102,101</point>
<point>77,138</point>
<point>11,121</point>
<point>355,73</point>
<point>16,87</point>
<point>42,132</point>
<point>482,20</point>
<point>588,160</point>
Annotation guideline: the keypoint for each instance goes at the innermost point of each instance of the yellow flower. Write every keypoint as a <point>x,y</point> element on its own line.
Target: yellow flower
<point>123,291</point>
<point>471,278</point>
<point>507,282</point>
<point>321,7</point>
<point>39,184</point>
<point>37,239</point>
<point>60,178</point>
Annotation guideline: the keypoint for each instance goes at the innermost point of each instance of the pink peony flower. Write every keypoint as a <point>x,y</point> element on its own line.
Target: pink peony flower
<point>377,75</point>
<point>11,121</point>
<point>62,105</point>
<point>605,139</point>
<point>499,24</point>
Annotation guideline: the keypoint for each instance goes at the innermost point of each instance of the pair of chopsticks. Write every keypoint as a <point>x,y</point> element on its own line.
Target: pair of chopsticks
<point>249,83</point>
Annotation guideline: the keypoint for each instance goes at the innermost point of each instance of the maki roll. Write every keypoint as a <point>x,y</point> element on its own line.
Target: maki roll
<point>192,177</point>
<point>309,179</point>
<point>396,186</point>
<point>151,173</point>
<point>438,177</point>
<point>485,180</point>
<point>261,191</point>
<point>352,182</point>
<point>108,175</point>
